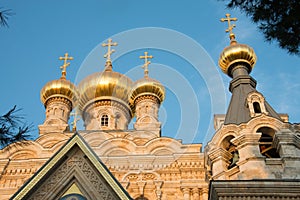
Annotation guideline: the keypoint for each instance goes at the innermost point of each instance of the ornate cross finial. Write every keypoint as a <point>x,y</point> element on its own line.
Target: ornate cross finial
<point>230,26</point>
<point>75,120</point>
<point>65,65</point>
<point>109,44</point>
<point>145,66</point>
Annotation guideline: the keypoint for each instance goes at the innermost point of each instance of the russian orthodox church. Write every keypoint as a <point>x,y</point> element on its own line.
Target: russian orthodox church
<point>254,153</point>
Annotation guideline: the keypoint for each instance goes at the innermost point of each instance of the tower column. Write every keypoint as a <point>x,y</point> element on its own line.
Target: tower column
<point>186,193</point>
<point>59,98</point>
<point>219,161</point>
<point>195,192</point>
<point>58,111</point>
<point>204,192</point>
<point>147,114</point>
<point>251,163</point>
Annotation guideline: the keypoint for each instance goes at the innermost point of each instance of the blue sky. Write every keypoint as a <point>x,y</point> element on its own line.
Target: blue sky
<point>185,38</point>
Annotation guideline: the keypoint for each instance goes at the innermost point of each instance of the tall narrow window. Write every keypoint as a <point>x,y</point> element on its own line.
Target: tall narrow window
<point>104,120</point>
<point>256,107</point>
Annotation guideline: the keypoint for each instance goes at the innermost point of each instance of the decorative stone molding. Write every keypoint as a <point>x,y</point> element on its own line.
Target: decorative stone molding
<point>219,153</point>
<point>195,193</point>
<point>119,115</point>
<point>287,143</point>
<point>57,111</point>
<point>186,193</point>
<point>146,109</point>
<point>256,104</point>
<point>158,191</point>
<point>246,139</point>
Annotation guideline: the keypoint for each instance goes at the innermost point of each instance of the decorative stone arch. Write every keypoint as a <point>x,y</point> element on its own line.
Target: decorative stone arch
<point>256,104</point>
<point>230,129</point>
<point>162,151</point>
<point>58,145</point>
<point>116,144</point>
<point>96,138</point>
<point>147,119</point>
<point>27,151</point>
<point>50,139</point>
<point>163,143</point>
<point>263,120</point>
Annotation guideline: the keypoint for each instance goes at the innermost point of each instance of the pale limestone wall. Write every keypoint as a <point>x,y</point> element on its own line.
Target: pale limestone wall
<point>118,114</point>
<point>146,110</point>
<point>157,167</point>
<point>252,164</point>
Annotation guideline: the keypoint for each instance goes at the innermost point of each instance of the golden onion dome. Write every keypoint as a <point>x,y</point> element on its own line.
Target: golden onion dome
<point>104,85</point>
<point>146,86</point>
<point>236,53</point>
<point>59,88</point>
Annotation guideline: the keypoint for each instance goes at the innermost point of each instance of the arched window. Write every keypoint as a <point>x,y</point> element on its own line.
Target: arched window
<point>104,120</point>
<point>256,104</point>
<point>256,107</point>
<point>266,142</point>
<point>231,148</point>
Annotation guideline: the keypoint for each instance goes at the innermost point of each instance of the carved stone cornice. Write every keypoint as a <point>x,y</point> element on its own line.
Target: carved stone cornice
<point>112,103</point>
<point>152,98</point>
<point>286,137</point>
<point>246,139</point>
<point>219,153</point>
<point>59,99</point>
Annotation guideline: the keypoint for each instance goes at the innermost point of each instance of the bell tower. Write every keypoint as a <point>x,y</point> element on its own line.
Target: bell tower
<point>235,151</point>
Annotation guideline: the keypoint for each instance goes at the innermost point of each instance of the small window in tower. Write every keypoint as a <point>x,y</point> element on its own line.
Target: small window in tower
<point>256,107</point>
<point>104,120</point>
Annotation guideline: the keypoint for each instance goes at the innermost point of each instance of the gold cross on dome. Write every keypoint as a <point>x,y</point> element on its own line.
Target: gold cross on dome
<point>230,26</point>
<point>75,120</point>
<point>109,44</point>
<point>145,66</point>
<point>65,65</point>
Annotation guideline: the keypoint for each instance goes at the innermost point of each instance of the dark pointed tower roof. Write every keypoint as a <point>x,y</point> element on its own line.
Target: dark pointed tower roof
<point>237,61</point>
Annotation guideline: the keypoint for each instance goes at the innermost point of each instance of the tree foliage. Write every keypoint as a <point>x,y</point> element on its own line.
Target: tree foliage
<point>4,15</point>
<point>13,128</point>
<point>279,20</point>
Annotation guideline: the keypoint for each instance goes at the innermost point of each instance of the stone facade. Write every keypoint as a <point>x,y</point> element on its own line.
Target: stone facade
<point>146,165</point>
<point>252,147</point>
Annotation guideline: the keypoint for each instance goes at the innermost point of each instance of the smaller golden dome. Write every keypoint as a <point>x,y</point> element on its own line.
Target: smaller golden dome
<point>146,86</point>
<point>104,85</point>
<point>236,53</point>
<point>59,88</point>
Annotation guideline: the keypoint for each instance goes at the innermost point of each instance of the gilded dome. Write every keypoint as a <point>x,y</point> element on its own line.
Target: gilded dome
<point>146,86</point>
<point>104,85</point>
<point>59,88</point>
<point>236,53</point>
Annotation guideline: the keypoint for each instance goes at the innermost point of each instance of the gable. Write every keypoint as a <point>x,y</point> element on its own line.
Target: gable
<point>74,166</point>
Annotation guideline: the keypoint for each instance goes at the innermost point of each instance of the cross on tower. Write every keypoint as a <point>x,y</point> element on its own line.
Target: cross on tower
<point>109,44</point>
<point>230,26</point>
<point>65,65</point>
<point>145,66</point>
<point>75,120</point>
